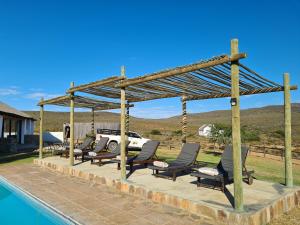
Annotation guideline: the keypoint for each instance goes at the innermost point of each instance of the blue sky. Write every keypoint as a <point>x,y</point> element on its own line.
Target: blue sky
<point>46,44</point>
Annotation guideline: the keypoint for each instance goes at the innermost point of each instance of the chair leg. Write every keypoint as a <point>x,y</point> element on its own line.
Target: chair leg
<point>174,176</point>
<point>131,167</point>
<point>198,181</point>
<point>250,180</point>
<point>223,186</point>
<point>119,166</point>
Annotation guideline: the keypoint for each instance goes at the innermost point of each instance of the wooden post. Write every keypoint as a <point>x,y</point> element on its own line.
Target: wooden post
<point>93,121</point>
<point>288,132</point>
<point>184,120</point>
<point>127,118</point>
<point>71,153</point>
<point>236,130</point>
<point>123,134</point>
<point>9,130</point>
<point>41,129</point>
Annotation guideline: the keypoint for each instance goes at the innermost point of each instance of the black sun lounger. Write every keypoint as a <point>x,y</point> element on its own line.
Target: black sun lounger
<point>84,147</point>
<point>225,169</point>
<point>108,155</point>
<point>184,161</point>
<point>144,157</point>
<point>99,147</point>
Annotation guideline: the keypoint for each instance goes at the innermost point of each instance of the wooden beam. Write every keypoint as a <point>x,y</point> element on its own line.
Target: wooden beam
<point>236,130</point>
<point>288,132</point>
<point>117,107</point>
<point>184,120</point>
<point>252,92</point>
<point>83,102</point>
<point>123,129</point>
<point>107,81</point>
<point>54,100</point>
<point>71,153</point>
<point>153,97</point>
<point>181,70</point>
<point>41,130</point>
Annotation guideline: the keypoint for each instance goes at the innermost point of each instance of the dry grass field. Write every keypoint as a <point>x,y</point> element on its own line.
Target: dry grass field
<point>268,121</point>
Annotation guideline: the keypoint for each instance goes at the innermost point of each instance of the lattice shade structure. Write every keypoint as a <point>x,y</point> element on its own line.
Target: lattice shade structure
<point>205,79</point>
<point>221,76</point>
<point>82,102</point>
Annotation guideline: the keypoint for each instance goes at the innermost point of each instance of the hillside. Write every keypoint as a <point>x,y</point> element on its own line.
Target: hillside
<point>266,119</point>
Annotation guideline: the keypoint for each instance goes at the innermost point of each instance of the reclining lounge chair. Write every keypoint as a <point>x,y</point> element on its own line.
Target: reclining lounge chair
<point>99,147</point>
<point>144,157</point>
<point>108,155</point>
<point>81,149</point>
<point>185,161</point>
<point>223,173</point>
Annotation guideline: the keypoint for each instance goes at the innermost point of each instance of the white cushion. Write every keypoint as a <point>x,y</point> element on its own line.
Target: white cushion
<point>119,158</point>
<point>209,171</point>
<point>76,150</point>
<point>92,153</point>
<point>61,148</point>
<point>160,164</point>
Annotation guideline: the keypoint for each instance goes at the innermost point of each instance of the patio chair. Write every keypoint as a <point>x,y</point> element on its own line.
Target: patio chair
<point>223,173</point>
<point>144,157</point>
<point>81,149</point>
<point>108,155</point>
<point>57,147</point>
<point>184,161</point>
<point>99,147</point>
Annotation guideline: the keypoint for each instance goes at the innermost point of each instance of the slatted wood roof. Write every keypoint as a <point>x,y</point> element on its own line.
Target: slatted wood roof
<point>202,80</point>
<point>82,102</point>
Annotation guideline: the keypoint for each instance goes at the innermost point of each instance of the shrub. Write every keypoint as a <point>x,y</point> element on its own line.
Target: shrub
<point>279,133</point>
<point>222,134</point>
<point>177,132</point>
<point>248,135</point>
<point>155,132</point>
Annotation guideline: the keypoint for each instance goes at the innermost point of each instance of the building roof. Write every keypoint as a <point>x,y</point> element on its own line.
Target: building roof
<point>204,126</point>
<point>6,109</point>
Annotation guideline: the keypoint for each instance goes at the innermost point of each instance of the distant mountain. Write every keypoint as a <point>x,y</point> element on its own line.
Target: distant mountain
<point>267,119</point>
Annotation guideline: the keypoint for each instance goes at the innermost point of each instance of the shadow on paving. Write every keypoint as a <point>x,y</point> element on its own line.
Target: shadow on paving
<point>14,157</point>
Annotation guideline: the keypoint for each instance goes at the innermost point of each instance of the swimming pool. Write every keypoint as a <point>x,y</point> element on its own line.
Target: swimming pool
<point>19,208</point>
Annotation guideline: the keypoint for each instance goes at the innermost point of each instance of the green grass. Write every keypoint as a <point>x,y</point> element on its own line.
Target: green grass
<point>265,169</point>
<point>17,159</point>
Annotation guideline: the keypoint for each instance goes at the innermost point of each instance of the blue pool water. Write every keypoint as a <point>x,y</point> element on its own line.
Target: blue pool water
<point>18,208</point>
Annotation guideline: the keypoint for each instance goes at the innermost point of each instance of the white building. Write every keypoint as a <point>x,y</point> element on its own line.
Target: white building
<point>14,125</point>
<point>205,130</point>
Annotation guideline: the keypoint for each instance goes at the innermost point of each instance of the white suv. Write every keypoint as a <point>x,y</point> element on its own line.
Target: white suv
<point>136,140</point>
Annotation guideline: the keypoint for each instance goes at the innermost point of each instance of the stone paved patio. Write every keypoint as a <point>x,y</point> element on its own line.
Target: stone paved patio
<point>263,200</point>
<point>90,203</point>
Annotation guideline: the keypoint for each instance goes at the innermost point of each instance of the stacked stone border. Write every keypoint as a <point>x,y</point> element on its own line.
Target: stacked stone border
<point>263,216</point>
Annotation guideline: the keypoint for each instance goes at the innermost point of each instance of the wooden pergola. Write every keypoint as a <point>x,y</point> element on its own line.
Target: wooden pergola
<point>218,77</point>
<point>74,101</point>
